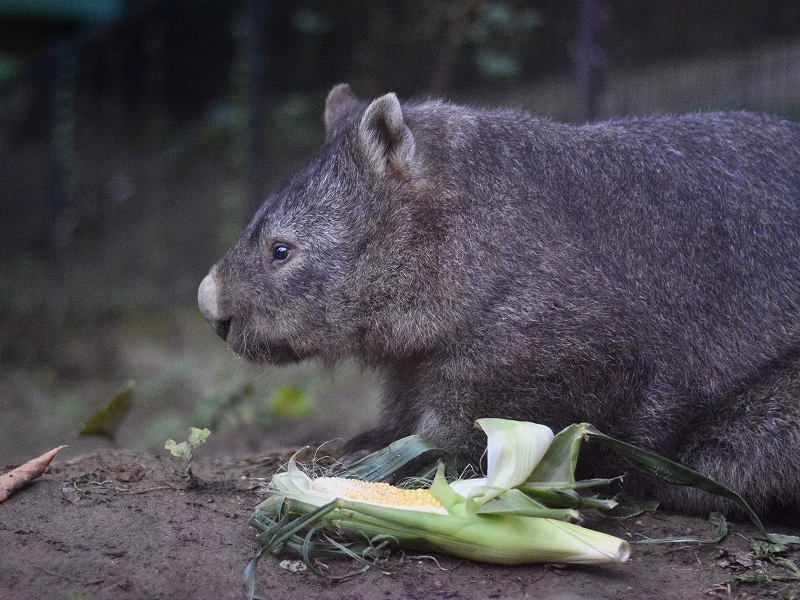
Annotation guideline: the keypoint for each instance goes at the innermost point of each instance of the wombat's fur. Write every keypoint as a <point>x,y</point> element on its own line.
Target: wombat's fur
<point>642,275</point>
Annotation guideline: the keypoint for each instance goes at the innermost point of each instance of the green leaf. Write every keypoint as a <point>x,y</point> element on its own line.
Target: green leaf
<point>626,507</point>
<point>182,450</point>
<point>106,421</point>
<point>559,462</point>
<point>568,497</point>
<point>515,502</point>
<point>198,437</point>
<point>224,404</point>
<point>720,531</point>
<point>384,463</point>
<point>452,501</point>
<point>672,472</point>
<point>768,551</point>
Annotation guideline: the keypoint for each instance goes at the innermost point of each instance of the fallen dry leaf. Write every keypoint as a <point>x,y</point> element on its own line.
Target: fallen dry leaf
<point>18,477</point>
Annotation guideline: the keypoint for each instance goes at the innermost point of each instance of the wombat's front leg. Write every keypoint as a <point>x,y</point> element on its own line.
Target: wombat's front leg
<point>399,416</point>
<point>421,399</point>
<point>417,399</point>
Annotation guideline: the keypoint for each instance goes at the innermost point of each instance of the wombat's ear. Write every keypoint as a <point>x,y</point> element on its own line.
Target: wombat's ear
<point>385,137</point>
<point>341,100</point>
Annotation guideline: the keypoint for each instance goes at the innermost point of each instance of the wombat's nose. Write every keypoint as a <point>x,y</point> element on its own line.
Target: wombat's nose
<point>209,307</point>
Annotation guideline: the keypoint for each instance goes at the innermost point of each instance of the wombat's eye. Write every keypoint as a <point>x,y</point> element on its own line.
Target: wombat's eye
<point>280,252</point>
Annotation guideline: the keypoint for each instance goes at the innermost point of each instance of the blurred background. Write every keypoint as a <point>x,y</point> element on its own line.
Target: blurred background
<point>137,137</point>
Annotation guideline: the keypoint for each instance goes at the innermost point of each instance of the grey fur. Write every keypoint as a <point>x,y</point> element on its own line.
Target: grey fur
<point>642,275</point>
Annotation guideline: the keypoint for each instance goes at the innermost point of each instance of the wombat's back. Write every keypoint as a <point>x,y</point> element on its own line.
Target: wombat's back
<point>693,224</point>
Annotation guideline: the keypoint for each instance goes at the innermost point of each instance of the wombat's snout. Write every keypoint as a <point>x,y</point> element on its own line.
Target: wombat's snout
<point>209,306</point>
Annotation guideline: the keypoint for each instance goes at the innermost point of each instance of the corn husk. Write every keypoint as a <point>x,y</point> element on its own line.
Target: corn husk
<point>524,510</point>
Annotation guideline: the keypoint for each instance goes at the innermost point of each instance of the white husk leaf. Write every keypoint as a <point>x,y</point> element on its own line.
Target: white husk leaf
<point>513,449</point>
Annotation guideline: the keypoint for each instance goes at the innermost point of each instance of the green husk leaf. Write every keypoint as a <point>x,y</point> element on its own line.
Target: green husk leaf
<point>554,497</point>
<point>382,464</point>
<point>559,462</point>
<point>720,531</point>
<point>250,574</point>
<point>567,496</point>
<point>524,539</point>
<point>265,517</point>
<point>367,553</point>
<point>275,537</point>
<point>627,507</point>
<point>513,449</point>
<point>301,545</point>
<point>343,549</point>
<point>514,502</point>
<point>672,472</point>
<point>452,501</point>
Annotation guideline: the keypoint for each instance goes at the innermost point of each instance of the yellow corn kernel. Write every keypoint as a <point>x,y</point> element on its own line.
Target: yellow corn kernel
<point>376,493</point>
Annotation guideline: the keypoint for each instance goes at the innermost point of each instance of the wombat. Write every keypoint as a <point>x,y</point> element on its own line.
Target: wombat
<point>642,275</point>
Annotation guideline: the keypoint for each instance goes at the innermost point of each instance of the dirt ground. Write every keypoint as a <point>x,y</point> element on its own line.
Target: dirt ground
<point>125,524</point>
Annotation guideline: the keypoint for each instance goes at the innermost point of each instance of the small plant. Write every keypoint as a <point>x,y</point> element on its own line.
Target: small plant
<point>183,450</point>
<point>197,437</point>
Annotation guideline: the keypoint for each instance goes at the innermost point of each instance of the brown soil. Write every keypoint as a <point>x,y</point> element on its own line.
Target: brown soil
<point>124,524</point>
